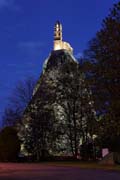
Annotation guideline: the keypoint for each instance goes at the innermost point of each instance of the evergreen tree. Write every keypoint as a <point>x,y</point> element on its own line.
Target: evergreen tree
<point>9,144</point>
<point>104,53</point>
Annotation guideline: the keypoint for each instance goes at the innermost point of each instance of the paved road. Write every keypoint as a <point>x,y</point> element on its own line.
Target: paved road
<point>14,171</point>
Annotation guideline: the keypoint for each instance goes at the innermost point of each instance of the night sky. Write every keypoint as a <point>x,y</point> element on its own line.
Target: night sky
<point>26,34</point>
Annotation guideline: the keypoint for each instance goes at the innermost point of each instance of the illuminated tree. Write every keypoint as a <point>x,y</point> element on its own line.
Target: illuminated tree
<point>76,101</point>
<point>61,112</point>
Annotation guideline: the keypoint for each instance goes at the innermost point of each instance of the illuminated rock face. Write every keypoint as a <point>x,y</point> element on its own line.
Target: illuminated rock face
<point>50,118</point>
<point>58,43</point>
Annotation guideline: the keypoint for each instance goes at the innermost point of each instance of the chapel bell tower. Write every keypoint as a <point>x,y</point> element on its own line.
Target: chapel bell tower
<point>58,31</point>
<point>58,43</point>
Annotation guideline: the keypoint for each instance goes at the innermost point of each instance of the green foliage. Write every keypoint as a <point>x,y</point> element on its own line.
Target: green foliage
<point>9,144</point>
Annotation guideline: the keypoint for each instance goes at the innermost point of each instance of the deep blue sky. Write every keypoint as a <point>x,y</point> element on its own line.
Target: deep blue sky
<point>26,34</point>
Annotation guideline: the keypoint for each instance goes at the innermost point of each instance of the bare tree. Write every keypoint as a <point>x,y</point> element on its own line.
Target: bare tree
<point>18,101</point>
<point>60,114</point>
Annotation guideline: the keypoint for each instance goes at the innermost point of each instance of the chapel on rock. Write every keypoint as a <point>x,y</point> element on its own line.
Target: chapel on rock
<point>52,121</point>
<point>58,43</point>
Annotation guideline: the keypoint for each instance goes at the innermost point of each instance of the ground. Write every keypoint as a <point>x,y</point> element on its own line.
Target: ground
<point>55,171</point>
